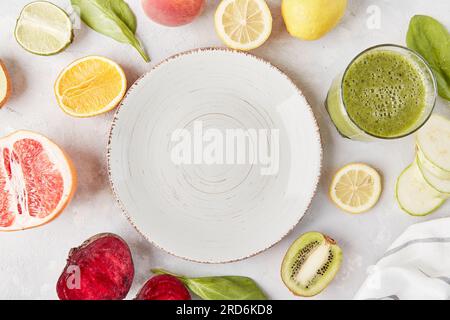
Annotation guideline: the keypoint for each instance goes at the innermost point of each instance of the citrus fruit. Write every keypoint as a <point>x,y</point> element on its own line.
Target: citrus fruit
<point>5,84</point>
<point>43,28</point>
<point>243,24</point>
<point>37,181</point>
<point>90,86</point>
<point>312,19</point>
<point>356,188</point>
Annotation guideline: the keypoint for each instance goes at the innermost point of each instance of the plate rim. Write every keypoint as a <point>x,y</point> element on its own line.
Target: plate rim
<point>116,117</point>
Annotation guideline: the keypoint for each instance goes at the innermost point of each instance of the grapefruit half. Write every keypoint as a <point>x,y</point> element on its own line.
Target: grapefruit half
<point>37,181</point>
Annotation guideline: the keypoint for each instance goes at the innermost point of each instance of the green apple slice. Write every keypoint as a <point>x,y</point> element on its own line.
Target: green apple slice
<point>441,185</point>
<point>414,195</point>
<point>43,28</point>
<point>433,141</point>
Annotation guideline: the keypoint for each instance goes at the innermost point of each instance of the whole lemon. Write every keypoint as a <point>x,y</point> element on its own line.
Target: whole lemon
<point>311,19</point>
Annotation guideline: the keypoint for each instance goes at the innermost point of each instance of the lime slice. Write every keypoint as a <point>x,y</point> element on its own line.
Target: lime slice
<point>43,28</point>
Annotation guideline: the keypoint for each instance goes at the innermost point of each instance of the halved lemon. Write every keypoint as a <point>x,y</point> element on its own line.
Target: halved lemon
<point>356,188</point>
<point>243,24</point>
<point>90,86</point>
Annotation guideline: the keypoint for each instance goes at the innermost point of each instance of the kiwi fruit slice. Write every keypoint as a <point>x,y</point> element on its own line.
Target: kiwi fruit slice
<point>310,264</point>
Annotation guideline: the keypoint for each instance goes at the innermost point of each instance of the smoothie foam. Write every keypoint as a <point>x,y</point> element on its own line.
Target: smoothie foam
<point>384,93</point>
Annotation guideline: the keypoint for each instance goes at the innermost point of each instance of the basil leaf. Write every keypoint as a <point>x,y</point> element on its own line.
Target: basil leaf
<point>112,18</point>
<point>432,41</point>
<point>221,288</point>
<point>123,11</point>
<point>225,288</point>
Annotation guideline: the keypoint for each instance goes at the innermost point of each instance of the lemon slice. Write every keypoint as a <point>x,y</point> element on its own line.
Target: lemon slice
<point>243,24</point>
<point>43,28</point>
<point>90,86</point>
<point>356,188</point>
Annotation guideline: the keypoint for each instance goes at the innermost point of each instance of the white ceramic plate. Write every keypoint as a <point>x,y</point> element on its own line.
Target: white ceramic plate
<point>209,211</point>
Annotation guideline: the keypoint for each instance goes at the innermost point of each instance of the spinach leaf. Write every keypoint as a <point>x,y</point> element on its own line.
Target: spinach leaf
<point>112,18</point>
<point>221,288</point>
<point>432,41</point>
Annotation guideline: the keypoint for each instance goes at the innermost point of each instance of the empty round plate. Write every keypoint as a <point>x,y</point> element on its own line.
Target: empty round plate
<point>214,155</point>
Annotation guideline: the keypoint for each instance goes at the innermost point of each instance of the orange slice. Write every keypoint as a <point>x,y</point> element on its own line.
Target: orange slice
<point>90,86</point>
<point>5,84</point>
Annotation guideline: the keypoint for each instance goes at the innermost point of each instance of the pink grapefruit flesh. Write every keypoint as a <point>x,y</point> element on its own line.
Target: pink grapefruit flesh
<point>37,181</point>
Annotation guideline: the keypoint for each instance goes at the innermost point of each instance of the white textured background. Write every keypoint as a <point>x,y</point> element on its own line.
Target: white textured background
<point>31,261</point>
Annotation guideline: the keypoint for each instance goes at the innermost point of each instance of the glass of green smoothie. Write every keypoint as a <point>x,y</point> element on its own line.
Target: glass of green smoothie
<point>386,92</point>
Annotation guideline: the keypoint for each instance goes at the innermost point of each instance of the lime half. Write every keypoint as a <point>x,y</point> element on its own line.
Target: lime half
<point>43,28</point>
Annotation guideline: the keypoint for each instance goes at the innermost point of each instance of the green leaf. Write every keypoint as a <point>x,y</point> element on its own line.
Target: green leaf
<point>112,18</point>
<point>221,288</point>
<point>123,11</point>
<point>431,40</point>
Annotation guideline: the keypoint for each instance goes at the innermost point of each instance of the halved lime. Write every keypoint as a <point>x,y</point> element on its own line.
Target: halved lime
<point>43,28</point>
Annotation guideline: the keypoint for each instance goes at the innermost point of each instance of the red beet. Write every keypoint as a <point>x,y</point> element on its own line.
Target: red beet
<point>163,287</point>
<point>100,269</point>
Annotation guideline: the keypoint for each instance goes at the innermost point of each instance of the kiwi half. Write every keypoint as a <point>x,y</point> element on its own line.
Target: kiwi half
<point>310,264</point>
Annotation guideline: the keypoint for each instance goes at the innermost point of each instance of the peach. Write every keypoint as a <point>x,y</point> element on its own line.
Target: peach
<point>173,13</point>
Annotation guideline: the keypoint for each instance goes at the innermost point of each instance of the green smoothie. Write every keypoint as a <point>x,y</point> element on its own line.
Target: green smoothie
<point>387,91</point>
<point>384,93</point>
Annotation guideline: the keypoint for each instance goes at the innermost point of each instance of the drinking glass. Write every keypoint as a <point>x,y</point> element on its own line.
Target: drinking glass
<point>337,109</point>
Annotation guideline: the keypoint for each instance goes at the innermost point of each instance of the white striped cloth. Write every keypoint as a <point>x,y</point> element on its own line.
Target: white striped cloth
<point>416,265</point>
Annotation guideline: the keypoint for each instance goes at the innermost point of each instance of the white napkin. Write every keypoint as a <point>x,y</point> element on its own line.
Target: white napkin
<point>416,265</point>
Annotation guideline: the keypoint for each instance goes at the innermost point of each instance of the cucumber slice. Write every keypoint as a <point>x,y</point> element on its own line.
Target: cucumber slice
<point>440,185</point>
<point>414,195</point>
<point>43,28</point>
<point>431,167</point>
<point>433,141</point>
